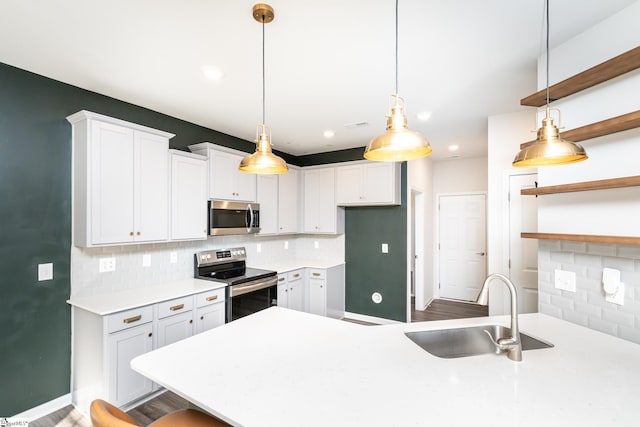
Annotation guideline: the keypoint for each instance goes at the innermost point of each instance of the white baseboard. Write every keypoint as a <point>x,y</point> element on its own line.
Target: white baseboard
<point>370,319</point>
<point>426,305</point>
<point>46,408</point>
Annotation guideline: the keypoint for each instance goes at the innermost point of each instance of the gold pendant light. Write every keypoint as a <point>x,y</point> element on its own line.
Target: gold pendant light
<point>549,149</point>
<point>263,161</point>
<point>398,143</point>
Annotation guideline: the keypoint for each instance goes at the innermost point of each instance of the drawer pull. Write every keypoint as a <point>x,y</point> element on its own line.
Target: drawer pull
<point>177,307</point>
<point>133,319</point>
<point>316,274</point>
<point>296,275</point>
<point>281,279</point>
<point>150,334</point>
<point>212,298</point>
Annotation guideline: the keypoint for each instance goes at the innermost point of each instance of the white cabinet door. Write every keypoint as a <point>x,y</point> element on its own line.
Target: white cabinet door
<point>226,181</point>
<point>150,186</point>
<point>372,183</point>
<point>296,300</point>
<point>125,384</point>
<point>317,297</point>
<point>349,184</point>
<point>209,317</point>
<point>111,190</point>
<point>319,202</point>
<point>174,328</point>
<point>188,198</point>
<point>288,201</point>
<point>283,291</point>
<point>268,200</point>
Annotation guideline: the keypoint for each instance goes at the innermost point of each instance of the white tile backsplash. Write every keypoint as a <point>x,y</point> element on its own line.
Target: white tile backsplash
<point>130,274</point>
<point>587,306</point>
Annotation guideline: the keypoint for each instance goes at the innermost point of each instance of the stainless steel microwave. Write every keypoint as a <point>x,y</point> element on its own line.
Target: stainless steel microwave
<point>226,217</point>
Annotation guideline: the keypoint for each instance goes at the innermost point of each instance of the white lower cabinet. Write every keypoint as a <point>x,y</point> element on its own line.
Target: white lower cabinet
<point>103,346</point>
<point>325,291</point>
<point>291,290</point>
<point>317,296</point>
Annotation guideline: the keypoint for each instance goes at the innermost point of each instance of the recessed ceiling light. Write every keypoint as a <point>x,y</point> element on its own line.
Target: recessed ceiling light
<point>453,147</point>
<point>212,73</point>
<point>328,134</point>
<point>423,116</point>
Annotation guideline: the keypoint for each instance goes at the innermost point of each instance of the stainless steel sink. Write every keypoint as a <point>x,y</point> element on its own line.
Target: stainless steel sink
<point>471,341</point>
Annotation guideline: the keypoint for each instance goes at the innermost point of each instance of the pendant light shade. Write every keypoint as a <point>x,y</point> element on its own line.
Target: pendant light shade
<point>398,143</point>
<point>263,161</point>
<point>549,149</point>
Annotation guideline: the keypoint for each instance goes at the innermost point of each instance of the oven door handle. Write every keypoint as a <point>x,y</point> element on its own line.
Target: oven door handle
<point>255,285</point>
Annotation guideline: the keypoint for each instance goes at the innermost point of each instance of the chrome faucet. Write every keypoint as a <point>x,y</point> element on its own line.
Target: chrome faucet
<point>510,345</point>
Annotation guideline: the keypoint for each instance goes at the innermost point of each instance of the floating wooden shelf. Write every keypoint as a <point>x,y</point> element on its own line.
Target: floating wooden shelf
<point>589,238</point>
<point>603,184</point>
<point>602,72</point>
<point>605,127</point>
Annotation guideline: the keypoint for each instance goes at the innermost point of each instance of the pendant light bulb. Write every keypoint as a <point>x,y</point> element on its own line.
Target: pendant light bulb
<point>398,143</point>
<point>549,149</point>
<point>263,161</point>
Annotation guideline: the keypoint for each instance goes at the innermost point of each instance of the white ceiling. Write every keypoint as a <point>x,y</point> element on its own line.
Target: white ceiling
<point>328,63</point>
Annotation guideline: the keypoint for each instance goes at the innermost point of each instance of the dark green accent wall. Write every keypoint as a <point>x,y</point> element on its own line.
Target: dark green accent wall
<point>368,270</point>
<point>35,227</point>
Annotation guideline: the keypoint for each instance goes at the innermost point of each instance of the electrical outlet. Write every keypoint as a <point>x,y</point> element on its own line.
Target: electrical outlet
<point>45,271</point>
<point>286,244</point>
<point>618,297</point>
<point>565,280</point>
<point>259,247</point>
<point>316,244</point>
<point>146,260</point>
<point>106,265</point>
<point>385,248</point>
<point>173,257</point>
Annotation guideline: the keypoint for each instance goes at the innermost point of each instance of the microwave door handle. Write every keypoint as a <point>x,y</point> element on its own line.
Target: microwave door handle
<point>250,218</point>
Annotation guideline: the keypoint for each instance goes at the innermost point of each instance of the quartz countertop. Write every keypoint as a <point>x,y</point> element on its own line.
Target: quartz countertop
<point>294,264</point>
<point>281,367</point>
<point>113,302</point>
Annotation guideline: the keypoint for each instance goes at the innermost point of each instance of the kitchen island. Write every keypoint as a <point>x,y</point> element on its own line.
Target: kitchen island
<point>281,367</point>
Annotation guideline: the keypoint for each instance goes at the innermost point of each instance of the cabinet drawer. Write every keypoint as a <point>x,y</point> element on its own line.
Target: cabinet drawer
<point>282,278</point>
<point>210,297</point>
<point>175,306</point>
<point>317,273</point>
<point>129,319</point>
<point>294,275</point>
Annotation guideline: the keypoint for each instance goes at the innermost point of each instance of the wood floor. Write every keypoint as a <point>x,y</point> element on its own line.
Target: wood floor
<point>169,402</point>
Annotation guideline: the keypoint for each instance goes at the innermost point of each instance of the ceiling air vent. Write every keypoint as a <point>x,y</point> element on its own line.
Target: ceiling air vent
<point>356,125</point>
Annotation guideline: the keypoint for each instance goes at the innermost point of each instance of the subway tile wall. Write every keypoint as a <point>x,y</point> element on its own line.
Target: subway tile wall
<point>130,273</point>
<point>587,306</point>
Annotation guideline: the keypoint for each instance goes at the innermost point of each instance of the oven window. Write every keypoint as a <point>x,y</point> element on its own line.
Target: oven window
<point>252,302</point>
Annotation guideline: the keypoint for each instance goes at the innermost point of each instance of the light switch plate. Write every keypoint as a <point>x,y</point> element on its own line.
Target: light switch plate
<point>45,271</point>
<point>316,244</point>
<point>618,297</point>
<point>106,265</point>
<point>565,280</point>
<point>259,247</point>
<point>173,257</point>
<point>146,260</point>
<point>385,248</point>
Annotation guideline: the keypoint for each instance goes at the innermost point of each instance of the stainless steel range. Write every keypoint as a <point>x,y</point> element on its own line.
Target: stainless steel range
<point>248,289</point>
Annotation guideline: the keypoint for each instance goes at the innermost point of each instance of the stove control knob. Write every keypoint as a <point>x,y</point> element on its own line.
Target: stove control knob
<point>208,256</point>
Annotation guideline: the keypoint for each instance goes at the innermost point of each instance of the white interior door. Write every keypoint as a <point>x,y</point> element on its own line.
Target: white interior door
<point>462,245</point>
<point>523,253</point>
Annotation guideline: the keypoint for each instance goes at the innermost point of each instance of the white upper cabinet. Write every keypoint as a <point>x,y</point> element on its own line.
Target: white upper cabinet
<point>188,196</point>
<point>320,212</point>
<point>289,201</point>
<point>371,183</point>
<point>120,175</point>
<point>278,196</point>
<point>226,182</point>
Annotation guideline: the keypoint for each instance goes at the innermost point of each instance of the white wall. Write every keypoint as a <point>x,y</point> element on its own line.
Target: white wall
<point>420,178</point>
<point>505,134</point>
<point>460,175</point>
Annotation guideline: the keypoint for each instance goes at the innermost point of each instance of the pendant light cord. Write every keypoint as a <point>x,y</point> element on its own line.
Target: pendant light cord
<point>547,57</point>
<point>397,47</point>
<point>263,80</point>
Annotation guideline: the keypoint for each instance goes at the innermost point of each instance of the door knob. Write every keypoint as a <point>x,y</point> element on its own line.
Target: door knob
<point>480,253</point>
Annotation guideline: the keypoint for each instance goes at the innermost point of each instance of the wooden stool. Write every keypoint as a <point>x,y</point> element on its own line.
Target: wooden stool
<point>104,414</point>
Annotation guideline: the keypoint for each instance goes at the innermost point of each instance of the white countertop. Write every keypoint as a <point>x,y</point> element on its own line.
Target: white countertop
<point>114,302</point>
<point>294,264</point>
<point>280,367</point>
